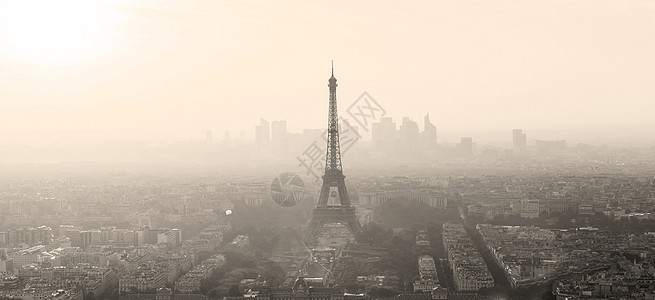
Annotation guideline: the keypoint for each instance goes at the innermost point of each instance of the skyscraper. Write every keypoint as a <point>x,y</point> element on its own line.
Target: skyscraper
<point>519,139</point>
<point>429,134</point>
<point>262,132</point>
<point>409,138</point>
<point>466,146</point>
<point>278,131</point>
<point>279,138</point>
<point>384,132</point>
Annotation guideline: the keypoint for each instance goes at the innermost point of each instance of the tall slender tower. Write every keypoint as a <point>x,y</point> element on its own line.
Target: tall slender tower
<point>333,202</point>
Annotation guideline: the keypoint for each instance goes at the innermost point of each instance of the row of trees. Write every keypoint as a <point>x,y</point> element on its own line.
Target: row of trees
<point>401,213</point>
<point>225,281</point>
<point>568,220</point>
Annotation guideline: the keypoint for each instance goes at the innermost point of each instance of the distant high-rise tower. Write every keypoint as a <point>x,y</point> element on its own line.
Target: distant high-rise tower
<point>384,132</point>
<point>227,136</point>
<point>429,134</point>
<point>208,136</point>
<point>262,132</point>
<point>466,146</point>
<point>279,137</point>
<point>333,189</point>
<point>278,131</point>
<point>409,138</point>
<point>519,139</point>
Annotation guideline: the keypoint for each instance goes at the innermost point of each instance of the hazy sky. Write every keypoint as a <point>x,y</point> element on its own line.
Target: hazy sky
<point>182,67</point>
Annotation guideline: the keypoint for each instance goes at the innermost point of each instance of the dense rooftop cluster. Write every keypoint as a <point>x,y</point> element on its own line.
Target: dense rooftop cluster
<point>470,272</point>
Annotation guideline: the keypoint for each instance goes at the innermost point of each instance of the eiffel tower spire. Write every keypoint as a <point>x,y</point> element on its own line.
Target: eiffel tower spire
<point>333,156</point>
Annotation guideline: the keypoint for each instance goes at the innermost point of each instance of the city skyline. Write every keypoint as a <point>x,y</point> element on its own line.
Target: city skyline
<point>534,66</point>
<point>610,135</point>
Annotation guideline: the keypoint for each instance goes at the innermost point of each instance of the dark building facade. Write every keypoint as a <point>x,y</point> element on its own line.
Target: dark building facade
<point>301,290</point>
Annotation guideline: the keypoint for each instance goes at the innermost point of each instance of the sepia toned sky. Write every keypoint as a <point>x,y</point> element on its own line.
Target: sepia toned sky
<point>176,68</point>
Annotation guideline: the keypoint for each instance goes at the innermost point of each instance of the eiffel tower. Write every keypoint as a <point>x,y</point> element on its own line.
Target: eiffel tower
<point>333,189</point>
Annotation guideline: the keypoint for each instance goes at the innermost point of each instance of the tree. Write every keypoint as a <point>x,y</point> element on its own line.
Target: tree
<point>213,294</point>
<point>234,291</point>
<point>375,234</point>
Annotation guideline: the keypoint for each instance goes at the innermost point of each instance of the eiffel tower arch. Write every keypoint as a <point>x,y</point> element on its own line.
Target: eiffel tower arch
<point>333,202</point>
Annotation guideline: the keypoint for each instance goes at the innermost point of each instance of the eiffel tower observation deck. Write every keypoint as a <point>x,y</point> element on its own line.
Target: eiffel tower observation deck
<point>333,189</point>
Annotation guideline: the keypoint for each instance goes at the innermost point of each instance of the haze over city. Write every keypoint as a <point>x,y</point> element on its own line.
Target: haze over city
<point>165,71</point>
<point>296,150</point>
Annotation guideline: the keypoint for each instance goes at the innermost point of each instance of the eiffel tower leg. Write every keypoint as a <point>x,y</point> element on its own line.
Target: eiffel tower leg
<point>354,226</point>
<point>311,230</point>
<point>343,193</point>
<point>325,194</point>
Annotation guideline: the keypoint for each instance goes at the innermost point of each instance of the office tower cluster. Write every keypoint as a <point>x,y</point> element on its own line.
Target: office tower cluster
<point>519,140</point>
<point>405,141</point>
<point>272,137</point>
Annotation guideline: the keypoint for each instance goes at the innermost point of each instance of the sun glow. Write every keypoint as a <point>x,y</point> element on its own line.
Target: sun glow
<point>55,32</point>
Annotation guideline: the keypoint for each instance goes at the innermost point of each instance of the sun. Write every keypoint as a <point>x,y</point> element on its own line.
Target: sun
<point>54,32</point>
